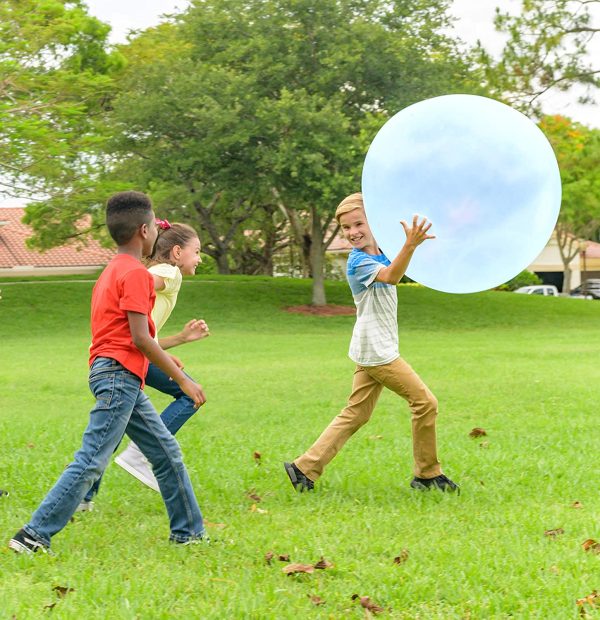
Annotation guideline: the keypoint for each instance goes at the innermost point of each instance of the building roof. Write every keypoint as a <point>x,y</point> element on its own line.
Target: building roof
<point>15,253</point>
<point>592,249</point>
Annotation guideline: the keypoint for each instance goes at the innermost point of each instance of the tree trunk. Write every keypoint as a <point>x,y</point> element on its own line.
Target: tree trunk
<point>566,287</point>
<point>222,263</point>
<point>317,260</point>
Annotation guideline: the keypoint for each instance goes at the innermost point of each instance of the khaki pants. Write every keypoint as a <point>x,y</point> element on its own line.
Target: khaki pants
<point>368,382</point>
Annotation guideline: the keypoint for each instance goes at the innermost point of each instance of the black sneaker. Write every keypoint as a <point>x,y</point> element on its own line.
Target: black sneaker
<point>4,493</point>
<point>299,481</point>
<point>22,542</point>
<point>441,482</point>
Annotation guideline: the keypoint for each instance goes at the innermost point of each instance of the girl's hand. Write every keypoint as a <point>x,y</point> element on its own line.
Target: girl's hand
<point>196,329</point>
<point>418,232</point>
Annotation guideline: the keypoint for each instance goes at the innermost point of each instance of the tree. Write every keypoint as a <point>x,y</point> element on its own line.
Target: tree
<point>55,76</point>
<point>311,76</point>
<point>577,149</point>
<point>548,47</point>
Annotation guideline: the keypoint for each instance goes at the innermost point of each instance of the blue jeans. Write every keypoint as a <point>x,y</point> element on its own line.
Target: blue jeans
<point>121,407</point>
<point>174,416</point>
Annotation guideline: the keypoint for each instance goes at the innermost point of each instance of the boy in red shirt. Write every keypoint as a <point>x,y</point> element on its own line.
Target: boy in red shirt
<point>122,344</point>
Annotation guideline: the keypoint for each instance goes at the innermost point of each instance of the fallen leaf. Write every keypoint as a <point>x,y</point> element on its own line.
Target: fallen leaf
<point>576,505</point>
<point>219,525</point>
<point>590,599</point>
<point>31,445</point>
<point>256,456</point>
<point>260,511</point>
<point>554,569</point>
<point>477,432</point>
<point>284,557</point>
<point>554,533</point>
<point>50,606</point>
<point>62,591</point>
<point>591,545</point>
<point>484,444</point>
<point>368,604</point>
<point>400,559</point>
<point>316,600</point>
<point>253,496</point>
<point>376,437</point>
<point>323,564</point>
<point>269,556</point>
<point>292,569</point>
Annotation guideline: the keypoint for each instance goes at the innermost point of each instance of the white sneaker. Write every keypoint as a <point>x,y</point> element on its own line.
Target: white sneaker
<point>133,461</point>
<point>85,506</point>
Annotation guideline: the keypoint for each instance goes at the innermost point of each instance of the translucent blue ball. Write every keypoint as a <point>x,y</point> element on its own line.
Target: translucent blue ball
<point>483,174</point>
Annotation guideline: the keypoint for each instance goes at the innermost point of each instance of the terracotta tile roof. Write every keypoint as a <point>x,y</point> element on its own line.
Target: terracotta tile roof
<point>592,250</point>
<point>15,253</point>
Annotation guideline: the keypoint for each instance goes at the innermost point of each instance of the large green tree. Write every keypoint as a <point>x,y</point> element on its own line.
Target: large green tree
<point>550,46</point>
<point>270,106</point>
<point>54,78</point>
<point>577,149</point>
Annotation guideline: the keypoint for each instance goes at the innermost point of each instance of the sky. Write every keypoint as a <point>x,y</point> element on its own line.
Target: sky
<point>474,21</point>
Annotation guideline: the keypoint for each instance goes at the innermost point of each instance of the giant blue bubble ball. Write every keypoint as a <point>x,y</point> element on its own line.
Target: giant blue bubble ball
<point>483,174</point>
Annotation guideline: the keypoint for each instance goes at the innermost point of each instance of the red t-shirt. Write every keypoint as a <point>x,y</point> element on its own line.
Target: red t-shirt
<point>125,285</point>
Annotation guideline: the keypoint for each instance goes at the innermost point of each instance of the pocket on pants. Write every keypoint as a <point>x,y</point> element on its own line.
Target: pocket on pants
<point>103,389</point>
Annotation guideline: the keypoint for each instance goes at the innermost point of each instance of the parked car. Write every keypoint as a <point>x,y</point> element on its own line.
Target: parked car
<point>589,289</point>
<point>548,290</point>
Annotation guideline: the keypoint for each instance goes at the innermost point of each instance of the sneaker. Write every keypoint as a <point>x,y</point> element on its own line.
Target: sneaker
<point>4,493</point>
<point>133,461</point>
<point>85,506</point>
<point>441,482</point>
<point>22,542</point>
<point>299,481</point>
<point>200,540</point>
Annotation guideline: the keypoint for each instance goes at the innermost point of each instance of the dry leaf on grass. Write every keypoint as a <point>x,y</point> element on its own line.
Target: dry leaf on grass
<point>256,456</point>
<point>62,591</point>
<point>260,511</point>
<point>400,559</point>
<point>591,545</point>
<point>253,496</point>
<point>591,599</point>
<point>322,564</point>
<point>284,557</point>
<point>292,569</point>
<point>269,555</point>
<point>368,604</point>
<point>554,533</point>
<point>477,432</point>
<point>576,505</point>
<point>316,600</point>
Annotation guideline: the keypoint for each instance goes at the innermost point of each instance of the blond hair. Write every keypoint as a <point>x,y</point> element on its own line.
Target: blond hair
<point>350,203</point>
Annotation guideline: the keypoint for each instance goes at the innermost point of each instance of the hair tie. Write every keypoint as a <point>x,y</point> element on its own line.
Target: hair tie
<point>163,224</point>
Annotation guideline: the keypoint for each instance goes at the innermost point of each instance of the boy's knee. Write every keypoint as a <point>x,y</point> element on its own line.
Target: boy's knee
<point>356,417</point>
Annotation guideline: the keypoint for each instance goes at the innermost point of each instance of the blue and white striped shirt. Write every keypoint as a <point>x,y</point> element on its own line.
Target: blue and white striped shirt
<point>375,336</point>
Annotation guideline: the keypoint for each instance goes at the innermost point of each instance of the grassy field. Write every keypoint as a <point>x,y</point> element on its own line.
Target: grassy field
<point>523,368</point>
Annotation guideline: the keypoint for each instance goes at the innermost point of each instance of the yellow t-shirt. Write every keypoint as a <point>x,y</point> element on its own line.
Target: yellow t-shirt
<point>167,298</point>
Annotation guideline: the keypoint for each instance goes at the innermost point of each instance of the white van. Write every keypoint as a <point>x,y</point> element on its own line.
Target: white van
<point>539,289</point>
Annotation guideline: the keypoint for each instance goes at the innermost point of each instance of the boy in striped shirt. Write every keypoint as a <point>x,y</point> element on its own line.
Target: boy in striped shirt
<point>374,349</point>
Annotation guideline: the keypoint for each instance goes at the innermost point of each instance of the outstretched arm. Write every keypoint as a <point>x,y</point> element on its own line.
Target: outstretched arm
<point>196,329</point>
<point>392,274</point>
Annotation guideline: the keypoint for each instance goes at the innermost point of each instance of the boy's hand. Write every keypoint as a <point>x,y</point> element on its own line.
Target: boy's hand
<point>195,330</point>
<point>194,391</point>
<point>418,233</point>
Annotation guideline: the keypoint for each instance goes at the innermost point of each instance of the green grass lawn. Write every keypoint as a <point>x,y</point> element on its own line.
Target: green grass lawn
<point>523,368</point>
